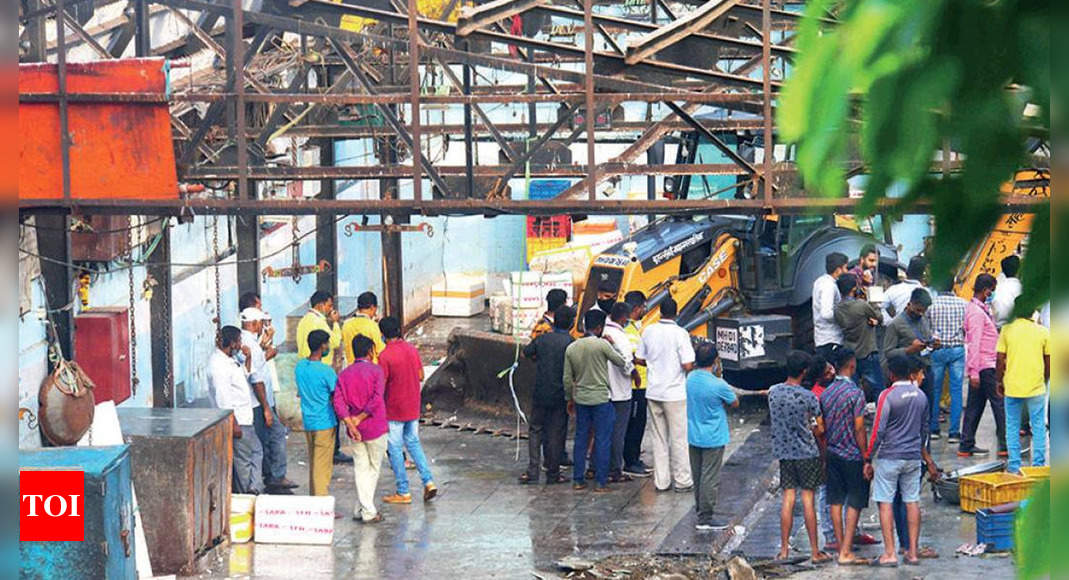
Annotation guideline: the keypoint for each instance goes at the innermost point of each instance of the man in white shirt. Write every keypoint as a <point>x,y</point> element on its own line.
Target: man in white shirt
<point>668,355</point>
<point>269,429</point>
<point>896,297</point>
<point>620,381</point>
<point>826,332</point>
<point>230,389</point>
<point>1007,291</point>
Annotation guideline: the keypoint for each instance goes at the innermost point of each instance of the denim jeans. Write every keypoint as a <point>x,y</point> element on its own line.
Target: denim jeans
<point>948,362</point>
<point>1037,416</point>
<point>824,514</point>
<point>405,435</point>
<point>273,442</point>
<point>600,419</point>
<point>870,371</point>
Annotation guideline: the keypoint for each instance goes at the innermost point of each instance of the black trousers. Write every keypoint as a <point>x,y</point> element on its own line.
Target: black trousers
<point>546,432</point>
<point>974,409</point>
<point>636,428</point>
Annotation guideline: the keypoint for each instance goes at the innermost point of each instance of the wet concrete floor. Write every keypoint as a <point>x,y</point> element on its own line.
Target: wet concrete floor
<point>944,527</point>
<point>483,524</point>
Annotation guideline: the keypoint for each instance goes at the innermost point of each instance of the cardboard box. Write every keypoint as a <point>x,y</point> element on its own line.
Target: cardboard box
<point>571,259</point>
<point>501,314</point>
<point>458,296</point>
<point>529,289</point>
<point>524,320</point>
<point>294,519</point>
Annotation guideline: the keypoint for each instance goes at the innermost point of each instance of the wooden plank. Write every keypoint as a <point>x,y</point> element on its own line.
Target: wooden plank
<point>665,36</point>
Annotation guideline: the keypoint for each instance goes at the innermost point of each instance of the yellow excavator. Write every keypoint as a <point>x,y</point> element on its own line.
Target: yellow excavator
<point>1009,235</point>
<point>743,282</point>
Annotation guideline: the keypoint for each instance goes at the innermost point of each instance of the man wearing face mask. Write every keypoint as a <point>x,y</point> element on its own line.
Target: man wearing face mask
<point>606,298</point>
<point>981,340</point>
<point>229,387</point>
<point>910,334</point>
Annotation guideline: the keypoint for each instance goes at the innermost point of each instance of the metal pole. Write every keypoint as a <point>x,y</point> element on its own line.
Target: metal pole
<point>588,55</point>
<point>61,77</point>
<point>326,232</point>
<point>142,41</point>
<point>161,322</point>
<point>413,77</point>
<point>237,48</point>
<point>766,82</point>
<point>469,147</point>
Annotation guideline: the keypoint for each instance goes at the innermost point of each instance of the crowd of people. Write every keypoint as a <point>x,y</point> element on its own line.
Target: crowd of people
<point>932,341</point>
<point>612,379</point>
<point>365,413</point>
<point>618,375</point>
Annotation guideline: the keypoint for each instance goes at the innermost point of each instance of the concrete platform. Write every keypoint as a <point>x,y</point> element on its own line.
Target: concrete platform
<point>483,524</point>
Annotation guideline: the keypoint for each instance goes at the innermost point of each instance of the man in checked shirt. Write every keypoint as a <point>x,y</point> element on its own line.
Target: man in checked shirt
<point>947,316</point>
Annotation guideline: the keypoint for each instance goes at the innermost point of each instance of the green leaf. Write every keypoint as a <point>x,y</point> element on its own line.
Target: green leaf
<point>1032,534</point>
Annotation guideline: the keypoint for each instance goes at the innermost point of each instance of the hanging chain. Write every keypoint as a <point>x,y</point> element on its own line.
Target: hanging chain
<point>133,310</point>
<point>215,260</point>
<point>168,376</point>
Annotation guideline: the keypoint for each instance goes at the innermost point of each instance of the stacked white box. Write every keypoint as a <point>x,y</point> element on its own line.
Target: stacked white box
<point>501,313</point>
<point>294,519</point>
<point>458,295</point>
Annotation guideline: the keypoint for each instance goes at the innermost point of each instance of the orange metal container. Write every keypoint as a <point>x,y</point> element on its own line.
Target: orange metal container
<point>119,150</point>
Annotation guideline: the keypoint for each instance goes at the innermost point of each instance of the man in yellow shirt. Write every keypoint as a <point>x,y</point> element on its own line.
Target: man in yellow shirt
<point>363,322</point>
<point>321,316</point>
<point>1022,371</point>
<point>636,427</point>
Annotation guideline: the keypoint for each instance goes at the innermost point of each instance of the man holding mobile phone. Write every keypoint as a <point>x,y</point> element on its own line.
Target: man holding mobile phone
<point>910,334</point>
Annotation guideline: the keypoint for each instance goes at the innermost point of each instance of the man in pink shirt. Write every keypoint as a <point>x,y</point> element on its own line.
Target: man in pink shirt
<point>981,338</point>
<point>361,408</point>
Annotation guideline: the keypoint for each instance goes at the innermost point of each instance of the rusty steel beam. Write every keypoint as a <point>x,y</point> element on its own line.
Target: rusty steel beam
<point>391,118</point>
<point>766,82</point>
<point>316,7</point>
<point>602,82</point>
<point>452,129</point>
<point>472,19</point>
<point>217,173</point>
<point>414,86</point>
<point>312,206</point>
<point>650,44</point>
<point>639,26</point>
<point>403,98</point>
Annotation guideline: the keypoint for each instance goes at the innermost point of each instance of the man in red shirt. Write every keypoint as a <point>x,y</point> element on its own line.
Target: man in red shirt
<point>403,370</point>
<point>359,405</point>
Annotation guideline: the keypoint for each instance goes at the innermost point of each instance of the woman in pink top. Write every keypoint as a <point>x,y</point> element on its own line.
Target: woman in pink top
<point>981,338</point>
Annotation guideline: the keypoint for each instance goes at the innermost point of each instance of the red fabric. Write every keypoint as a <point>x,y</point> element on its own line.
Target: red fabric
<point>516,29</point>
<point>401,365</point>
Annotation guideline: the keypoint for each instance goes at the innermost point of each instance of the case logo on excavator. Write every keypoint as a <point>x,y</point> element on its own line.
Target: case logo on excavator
<point>717,261</point>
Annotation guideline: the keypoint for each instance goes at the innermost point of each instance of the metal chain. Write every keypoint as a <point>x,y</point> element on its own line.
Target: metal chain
<point>133,310</point>
<point>215,260</point>
<point>168,376</point>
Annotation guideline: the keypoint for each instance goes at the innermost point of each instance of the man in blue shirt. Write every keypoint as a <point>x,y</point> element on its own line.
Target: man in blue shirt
<point>315,385</point>
<point>707,432</point>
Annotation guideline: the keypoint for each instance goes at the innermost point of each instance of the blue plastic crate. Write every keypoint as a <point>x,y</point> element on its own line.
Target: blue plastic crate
<point>995,530</point>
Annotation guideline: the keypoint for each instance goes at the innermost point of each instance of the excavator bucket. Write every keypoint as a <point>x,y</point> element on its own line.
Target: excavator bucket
<point>475,375</point>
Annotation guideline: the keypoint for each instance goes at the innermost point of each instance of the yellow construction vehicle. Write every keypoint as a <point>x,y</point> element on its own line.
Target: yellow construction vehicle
<point>1007,237</point>
<point>744,282</point>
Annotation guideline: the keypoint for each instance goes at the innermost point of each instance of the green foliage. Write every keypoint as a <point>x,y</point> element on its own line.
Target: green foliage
<point>895,80</point>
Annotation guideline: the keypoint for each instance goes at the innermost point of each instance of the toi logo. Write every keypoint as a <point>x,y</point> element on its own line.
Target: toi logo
<point>51,506</point>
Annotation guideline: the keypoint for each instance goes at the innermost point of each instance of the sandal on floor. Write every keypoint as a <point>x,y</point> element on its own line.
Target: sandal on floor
<point>557,480</point>
<point>820,561</point>
<point>855,562</point>
<point>927,552</point>
<point>621,478</point>
<point>525,479</point>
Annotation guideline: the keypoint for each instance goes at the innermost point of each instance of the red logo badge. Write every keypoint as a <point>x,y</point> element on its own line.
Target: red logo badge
<point>51,506</point>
